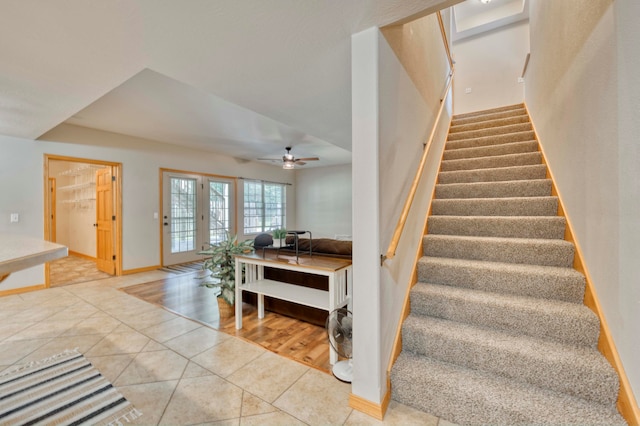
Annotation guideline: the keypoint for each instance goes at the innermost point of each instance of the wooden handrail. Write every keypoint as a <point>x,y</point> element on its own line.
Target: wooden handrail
<point>393,245</point>
<point>444,39</point>
<point>526,64</point>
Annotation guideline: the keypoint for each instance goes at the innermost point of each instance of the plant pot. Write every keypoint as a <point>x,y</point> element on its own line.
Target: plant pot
<point>226,310</point>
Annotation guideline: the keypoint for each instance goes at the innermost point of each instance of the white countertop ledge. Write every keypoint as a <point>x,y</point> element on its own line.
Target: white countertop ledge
<point>18,252</point>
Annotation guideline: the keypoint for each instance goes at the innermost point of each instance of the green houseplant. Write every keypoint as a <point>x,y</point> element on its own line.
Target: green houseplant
<point>279,234</point>
<point>221,266</point>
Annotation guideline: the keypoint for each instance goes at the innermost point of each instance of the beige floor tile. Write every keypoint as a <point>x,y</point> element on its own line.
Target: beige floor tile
<point>80,310</point>
<point>61,344</point>
<point>96,324</point>
<point>397,415</point>
<point>13,351</point>
<point>43,330</point>
<point>148,367</point>
<point>9,329</point>
<point>277,418</point>
<point>150,398</point>
<point>228,356</point>
<point>119,343</point>
<point>228,422</point>
<point>317,398</point>
<point>192,343</point>
<point>203,399</point>
<point>444,422</point>
<point>268,376</point>
<point>170,329</point>
<point>153,346</point>
<point>252,405</point>
<point>111,366</point>
<point>194,370</point>
<point>146,319</point>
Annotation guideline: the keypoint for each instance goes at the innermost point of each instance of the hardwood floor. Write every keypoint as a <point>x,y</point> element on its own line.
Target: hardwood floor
<point>294,339</point>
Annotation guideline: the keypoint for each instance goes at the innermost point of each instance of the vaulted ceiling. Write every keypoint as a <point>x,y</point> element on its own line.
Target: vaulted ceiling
<point>241,77</point>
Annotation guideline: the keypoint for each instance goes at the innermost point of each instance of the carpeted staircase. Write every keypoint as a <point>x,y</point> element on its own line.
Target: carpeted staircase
<point>498,333</point>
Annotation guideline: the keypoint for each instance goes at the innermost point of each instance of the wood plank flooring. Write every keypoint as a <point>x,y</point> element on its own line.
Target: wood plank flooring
<point>294,339</point>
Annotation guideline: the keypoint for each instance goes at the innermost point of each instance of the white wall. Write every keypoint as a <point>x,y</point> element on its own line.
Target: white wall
<point>490,64</point>
<point>22,185</point>
<point>583,92</point>
<point>391,122</point>
<point>323,201</point>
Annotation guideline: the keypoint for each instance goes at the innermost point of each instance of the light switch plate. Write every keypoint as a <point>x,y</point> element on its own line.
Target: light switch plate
<point>15,217</point>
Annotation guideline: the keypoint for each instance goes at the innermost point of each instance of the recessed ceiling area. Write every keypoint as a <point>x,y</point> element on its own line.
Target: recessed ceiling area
<point>474,17</point>
<point>245,78</point>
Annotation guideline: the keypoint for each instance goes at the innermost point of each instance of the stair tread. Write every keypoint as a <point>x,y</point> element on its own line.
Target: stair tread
<point>490,150</point>
<point>505,240</point>
<point>467,396</point>
<point>529,315</point>
<point>522,136</point>
<point>490,130</point>
<point>549,227</point>
<point>577,370</point>
<point>522,118</point>
<point>492,161</point>
<point>527,172</point>
<point>536,269</point>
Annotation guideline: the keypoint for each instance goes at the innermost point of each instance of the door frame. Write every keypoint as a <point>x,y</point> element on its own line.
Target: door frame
<point>161,173</point>
<point>117,207</point>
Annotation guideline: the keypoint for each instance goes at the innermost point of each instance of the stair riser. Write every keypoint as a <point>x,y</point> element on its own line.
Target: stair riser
<point>538,171</point>
<point>533,206</point>
<point>542,252</point>
<point>524,188</point>
<point>490,131</point>
<point>488,151</point>
<point>510,160</point>
<point>582,373</point>
<point>490,123</point>
<point>509,227</point>
<point>500,279</point>
<point>572,325</point>
<point>468,397</point>
<point>491,140</point>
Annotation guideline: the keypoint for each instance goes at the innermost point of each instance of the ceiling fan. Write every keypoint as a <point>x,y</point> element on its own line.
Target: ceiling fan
<point>289,161</point>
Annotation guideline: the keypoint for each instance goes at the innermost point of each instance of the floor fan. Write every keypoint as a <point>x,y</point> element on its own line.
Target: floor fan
<point>339,329</point>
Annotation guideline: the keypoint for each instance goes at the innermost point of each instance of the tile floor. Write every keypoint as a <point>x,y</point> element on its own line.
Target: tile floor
<point>176,371</point>
<point>73,269</point>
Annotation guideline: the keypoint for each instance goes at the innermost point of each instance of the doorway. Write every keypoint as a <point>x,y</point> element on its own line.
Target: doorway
<point>83,212</point>
<point>197,210</point>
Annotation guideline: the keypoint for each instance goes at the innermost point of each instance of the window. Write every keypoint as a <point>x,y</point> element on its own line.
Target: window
<point>264,206</point>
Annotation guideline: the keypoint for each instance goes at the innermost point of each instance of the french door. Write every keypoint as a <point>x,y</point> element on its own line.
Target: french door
<point>198,211</point>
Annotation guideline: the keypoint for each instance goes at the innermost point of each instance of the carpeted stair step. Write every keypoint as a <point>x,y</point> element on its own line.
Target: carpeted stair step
<point>517,119</point>
<point>538,171</point>
<point>579,371</point>
<point>547,282</point>
<point>491,140</point>
<point>491,249</point>
<point>499,226</point>
<point>509,160</point>
<point>489,114</point>
<point>554,320</point>
<point>490,130</point>
<point>517,188</point>
<point>471,397</point>
<point>487,151</point>
<point>512,206</point>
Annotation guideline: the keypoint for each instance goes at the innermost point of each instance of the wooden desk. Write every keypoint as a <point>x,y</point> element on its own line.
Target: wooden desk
<point>338,271</point>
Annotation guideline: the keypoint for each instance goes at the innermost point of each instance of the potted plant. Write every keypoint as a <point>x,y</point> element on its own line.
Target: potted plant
<point>222,271</point>
<point>279,234</point>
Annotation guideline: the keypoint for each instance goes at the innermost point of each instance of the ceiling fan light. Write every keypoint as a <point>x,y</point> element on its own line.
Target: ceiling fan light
<point>288,165</point>
<point>485,1</point>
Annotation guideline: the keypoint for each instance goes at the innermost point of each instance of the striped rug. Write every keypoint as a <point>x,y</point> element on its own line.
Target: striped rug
<point>64,389</point>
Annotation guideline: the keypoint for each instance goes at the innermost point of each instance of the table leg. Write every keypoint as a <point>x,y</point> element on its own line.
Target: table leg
<point>238,295</point>
<point>260,306</point>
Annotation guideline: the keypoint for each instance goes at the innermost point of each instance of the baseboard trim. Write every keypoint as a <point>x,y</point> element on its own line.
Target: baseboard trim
<point>626,404</point>
<point>22,289</point>
<point>81,255</point>
<point>370,408</point>
<point>138,270</point>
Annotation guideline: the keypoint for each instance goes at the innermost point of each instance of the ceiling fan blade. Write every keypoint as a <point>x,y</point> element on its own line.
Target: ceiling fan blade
<point>268,159</point>
<point>308,159</point>
<point>299,163</point>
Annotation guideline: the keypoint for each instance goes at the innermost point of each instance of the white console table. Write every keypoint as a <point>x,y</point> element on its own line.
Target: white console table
<point>338,271</point>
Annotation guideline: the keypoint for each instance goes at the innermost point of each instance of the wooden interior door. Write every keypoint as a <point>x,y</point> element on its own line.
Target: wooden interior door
<point>105,259</point>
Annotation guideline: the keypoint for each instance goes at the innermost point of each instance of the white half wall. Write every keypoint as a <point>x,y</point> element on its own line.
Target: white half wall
<point>489,64</point>
<point>583,93</point>
<point>323,201</point>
